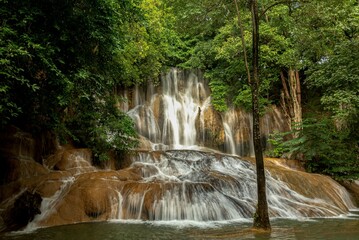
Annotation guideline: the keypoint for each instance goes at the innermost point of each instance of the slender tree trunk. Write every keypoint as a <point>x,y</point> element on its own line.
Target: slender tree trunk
<point>261,217</point>
<point>291,96</point>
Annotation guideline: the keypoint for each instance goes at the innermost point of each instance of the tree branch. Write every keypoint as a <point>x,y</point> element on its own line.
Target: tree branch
<point>273,5</point>
<point>243,42</point>
<point>278,3</point>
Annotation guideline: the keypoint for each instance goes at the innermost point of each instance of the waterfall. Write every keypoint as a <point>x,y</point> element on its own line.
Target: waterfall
<point>186,185</point>
<point>183,173</point>
<point>206,186</point>
<point>178,114</point>
<point>167,115</point>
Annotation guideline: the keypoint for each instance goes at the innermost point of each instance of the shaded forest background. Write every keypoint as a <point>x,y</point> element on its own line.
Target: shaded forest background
<point>62,61</point>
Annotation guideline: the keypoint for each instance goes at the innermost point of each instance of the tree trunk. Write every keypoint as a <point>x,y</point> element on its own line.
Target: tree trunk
<point>291,96</point>
<point>261,217</point>
<point>296,93</point>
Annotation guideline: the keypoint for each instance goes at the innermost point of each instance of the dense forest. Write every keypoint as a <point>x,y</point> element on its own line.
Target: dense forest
<point>62,61</point>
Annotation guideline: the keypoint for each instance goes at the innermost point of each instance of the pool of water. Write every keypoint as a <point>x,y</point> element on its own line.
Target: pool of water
<point>328,228</point>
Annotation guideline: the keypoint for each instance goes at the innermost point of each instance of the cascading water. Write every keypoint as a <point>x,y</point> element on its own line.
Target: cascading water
<point>177,177</point>
<point>169,117</point>
<point>238,128</point>
<point>204,186</point>
<point>178,114</point>
<point>196,185</point>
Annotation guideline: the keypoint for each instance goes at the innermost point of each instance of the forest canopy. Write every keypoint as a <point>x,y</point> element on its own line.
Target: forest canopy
<point>60,62</point>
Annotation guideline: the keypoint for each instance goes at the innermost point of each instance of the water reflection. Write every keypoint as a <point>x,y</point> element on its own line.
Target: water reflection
<point>329,229</point>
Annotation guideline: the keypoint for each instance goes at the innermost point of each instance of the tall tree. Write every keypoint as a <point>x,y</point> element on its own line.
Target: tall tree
<point>261,217</point>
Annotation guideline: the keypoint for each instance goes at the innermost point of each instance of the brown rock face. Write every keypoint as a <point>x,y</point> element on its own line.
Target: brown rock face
<point>89,196</point>
<point>16,149</point>
<point>165,185</point>
<point>211,132</point>
<point>17,161</point>
<point>17,144</point>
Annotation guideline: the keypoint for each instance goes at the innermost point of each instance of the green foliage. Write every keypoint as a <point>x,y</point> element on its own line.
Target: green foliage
<point>244,99</point>
<point>98,124</point>
<point>200,56</point>
<point>28,67</point>
<point>319,26</point>
<point>325,149</point>
<point>150,43</point>
<point>278,147</point>
<point>338,78</point>
<point>216,47</point>
<point>219,95</point>
<point>60,60</point>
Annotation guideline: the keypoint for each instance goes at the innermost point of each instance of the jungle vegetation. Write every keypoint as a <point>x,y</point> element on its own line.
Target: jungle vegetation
<point>60,62</point>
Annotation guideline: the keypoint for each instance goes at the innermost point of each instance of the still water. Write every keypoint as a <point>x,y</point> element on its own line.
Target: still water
<point>328,228</point>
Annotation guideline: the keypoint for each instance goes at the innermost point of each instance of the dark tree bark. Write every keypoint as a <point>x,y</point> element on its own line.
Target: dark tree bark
<point>261,217</point>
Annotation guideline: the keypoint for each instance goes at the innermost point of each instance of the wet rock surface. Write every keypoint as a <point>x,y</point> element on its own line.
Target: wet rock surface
<point>165,185</point>
<point>23,211</point>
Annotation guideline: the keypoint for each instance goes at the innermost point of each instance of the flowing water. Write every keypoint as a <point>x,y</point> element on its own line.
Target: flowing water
<point>207,186</point>
<point>178,114</point>
<point>185,186</point>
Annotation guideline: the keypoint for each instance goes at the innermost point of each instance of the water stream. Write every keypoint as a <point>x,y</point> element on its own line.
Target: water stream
<point>177,117</point>
<point>190,179</point>
<point>207,186</point>
<point>178,114</point>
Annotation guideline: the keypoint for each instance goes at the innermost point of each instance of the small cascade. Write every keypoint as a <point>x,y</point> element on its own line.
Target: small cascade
<point>178,114</point>
<point>230,144</point>
<point>49,204</point>
<point>187,185</point>
<point>182,174</point>
<point>239,126</point>
<point>207,186</point>
<point>76,161</point>
<point>354,213</point>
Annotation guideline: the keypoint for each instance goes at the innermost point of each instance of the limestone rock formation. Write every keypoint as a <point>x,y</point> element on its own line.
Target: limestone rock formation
<point>157,185</point>
<point>211,134</point>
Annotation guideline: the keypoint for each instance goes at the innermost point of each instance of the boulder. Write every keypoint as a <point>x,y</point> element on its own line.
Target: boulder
<point>23,211</point>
